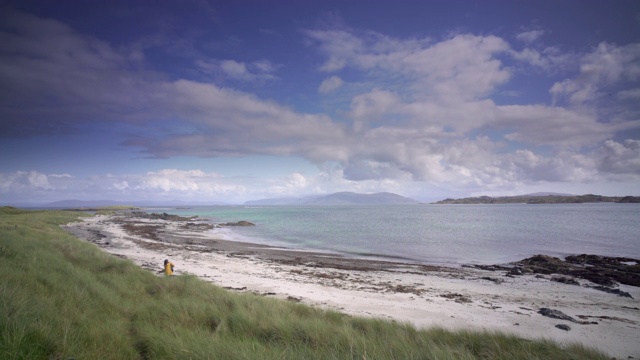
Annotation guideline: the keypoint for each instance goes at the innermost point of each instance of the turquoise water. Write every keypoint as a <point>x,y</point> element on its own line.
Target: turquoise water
<point>451,234</point>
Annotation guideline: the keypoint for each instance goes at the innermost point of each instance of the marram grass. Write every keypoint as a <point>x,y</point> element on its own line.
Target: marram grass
<point>62,298</point>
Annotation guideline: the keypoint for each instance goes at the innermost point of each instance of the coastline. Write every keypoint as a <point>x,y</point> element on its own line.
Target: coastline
<point>423,295</point>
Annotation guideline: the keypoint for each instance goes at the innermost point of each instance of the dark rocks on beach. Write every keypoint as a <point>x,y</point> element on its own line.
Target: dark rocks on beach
<point>197,226</point>
<point>557,314</point>
<point>239,223</point>
<point>564,327</point>
<point>488,267</point>
<point>601,270</point>
<point>459,298</point>
<point>155,216</point>
<point>514,272</point>
<point>565,280</point>
<point>612,291</point>
<point>494,280</point>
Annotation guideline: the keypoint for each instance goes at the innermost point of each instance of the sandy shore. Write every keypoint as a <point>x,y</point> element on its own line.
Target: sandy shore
<point>452,298</point>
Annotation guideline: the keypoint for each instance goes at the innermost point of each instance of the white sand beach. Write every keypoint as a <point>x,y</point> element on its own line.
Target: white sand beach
<point>452,298</point>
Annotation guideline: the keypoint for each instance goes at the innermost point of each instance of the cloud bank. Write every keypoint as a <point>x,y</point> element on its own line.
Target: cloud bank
<point>421,110</point>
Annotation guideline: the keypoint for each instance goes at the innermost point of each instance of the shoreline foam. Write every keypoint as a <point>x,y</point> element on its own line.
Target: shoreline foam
<point>423,295</point>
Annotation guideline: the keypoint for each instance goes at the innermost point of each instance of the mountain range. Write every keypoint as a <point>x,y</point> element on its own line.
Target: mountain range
<point>339,198</point>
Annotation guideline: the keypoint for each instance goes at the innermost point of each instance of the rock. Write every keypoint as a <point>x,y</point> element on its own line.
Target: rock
<point>459,298</point>
<point>515,271</point>
<point>488,267</point>
<point>555,314</point>
<point>611,291</point>
<point>239,223</point>
<point>601,270</point>
<point>563,327</point>
<point>497,281</point>
<point>565,280</point>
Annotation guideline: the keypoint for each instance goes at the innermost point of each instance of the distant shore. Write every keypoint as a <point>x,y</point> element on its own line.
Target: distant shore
<point>424,295</point>
<point>543,199</point>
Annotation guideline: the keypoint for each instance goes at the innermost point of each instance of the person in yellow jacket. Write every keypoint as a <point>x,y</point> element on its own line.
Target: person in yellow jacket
<point>168,268</point>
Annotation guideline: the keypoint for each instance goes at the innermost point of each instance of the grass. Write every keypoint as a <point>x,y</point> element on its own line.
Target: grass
<point>62,298</point>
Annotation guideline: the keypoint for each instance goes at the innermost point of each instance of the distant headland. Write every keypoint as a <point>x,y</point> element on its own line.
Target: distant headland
<point>543,199</point>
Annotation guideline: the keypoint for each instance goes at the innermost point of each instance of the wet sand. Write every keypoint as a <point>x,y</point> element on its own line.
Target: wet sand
<point>421,294</point>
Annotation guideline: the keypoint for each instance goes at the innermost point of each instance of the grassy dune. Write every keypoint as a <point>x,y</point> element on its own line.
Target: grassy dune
<point>63,298</point>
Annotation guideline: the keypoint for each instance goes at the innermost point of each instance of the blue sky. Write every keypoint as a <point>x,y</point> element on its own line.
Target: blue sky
<point>227,101</point>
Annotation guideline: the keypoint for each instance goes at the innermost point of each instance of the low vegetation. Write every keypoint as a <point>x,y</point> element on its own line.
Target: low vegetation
<point>62,298</point>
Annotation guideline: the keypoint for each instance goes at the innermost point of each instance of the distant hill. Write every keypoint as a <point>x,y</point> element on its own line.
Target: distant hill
<point>541,198</point>
<point>281,201</point>
<point>548,194</point>
<point>340,198</point>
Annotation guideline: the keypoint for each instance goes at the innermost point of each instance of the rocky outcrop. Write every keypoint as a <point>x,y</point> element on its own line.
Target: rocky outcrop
<point>155,216</point>
<point>239,223</point>
<point>557,314</point>
<point>602,270</point>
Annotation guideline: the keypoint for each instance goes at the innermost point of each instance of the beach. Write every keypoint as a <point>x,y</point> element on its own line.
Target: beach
<point>424,295</point>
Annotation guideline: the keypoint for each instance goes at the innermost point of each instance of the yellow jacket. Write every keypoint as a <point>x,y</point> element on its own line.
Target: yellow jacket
<point>168,268</point>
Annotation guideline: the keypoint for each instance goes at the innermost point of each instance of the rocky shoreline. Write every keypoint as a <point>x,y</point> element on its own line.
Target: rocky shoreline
<point>605,272</point>
<point>535,297</point>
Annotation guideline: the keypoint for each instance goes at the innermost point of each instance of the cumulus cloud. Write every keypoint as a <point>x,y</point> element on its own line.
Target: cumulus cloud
<point>608,64</point>
<point>461,66</point>
<point>619,158</point>
<point>330,84</point>
<point>232,123</point>
<point>529,36</point>
<point>257,70</point>
<point>156,186</point>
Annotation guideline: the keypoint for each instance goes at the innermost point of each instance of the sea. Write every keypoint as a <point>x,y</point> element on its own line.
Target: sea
<point>435,234</point>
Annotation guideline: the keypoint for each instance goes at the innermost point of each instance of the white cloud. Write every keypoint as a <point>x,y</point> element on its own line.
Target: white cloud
<point>290,186</point>
<point>330,84</point>
<point>121,185</point>
<point>620,158</point>
<point>555,126</point>
<point>633,94</point>
<point>607,65</point>
<point>234,123</point>
<point>257,70</point>
<point>21,181</point>
<point>530,36</point>
<point>463,66</point>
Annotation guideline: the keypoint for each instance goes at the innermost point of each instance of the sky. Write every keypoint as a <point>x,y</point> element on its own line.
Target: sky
<point>210,102</point>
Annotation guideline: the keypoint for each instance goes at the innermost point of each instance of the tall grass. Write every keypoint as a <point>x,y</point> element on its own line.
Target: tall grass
<point>63,298</point>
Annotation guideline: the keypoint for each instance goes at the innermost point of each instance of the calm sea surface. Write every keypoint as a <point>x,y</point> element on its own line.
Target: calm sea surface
<point>450,234</point>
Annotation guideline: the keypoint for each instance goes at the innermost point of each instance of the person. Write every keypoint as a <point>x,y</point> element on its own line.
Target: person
<point>168,267</point>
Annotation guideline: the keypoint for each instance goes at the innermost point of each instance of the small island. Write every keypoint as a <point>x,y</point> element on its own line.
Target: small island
<point>542,199</point>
